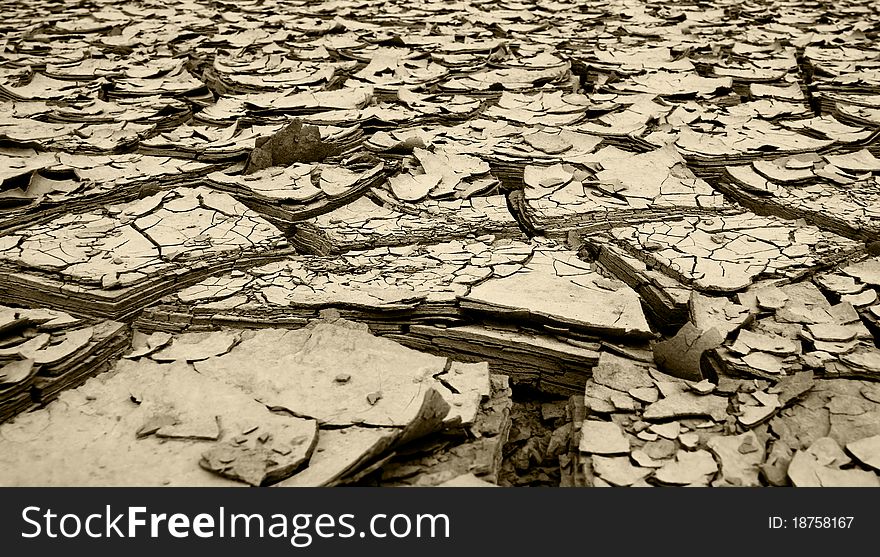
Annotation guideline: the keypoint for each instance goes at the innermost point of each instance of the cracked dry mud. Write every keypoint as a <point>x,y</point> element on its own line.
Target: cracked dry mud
<point>304,243</point>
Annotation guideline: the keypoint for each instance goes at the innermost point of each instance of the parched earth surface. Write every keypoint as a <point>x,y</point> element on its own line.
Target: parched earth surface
<point>300,243</point>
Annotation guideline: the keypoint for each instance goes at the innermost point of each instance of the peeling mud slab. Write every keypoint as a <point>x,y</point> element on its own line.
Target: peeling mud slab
<point>445,299</point>
<point>739,143</point>
<point>386,287</point>
<point>364,224</point>
<point>265,421</point>
<point>664,298</point>
<point>38,187</point>
<point>508,146</point>
<point>836,192</point>
<point>114,262</point>
<point>723,253</point>
<point>144,424</point>
<point>45,351</point>
<point>93,138</point>
<point>302,190</point>
<point>556,288</point>
<point>620,188</point>
<point>539,359</point>
<point>339,374</point>
<point>441,173</point>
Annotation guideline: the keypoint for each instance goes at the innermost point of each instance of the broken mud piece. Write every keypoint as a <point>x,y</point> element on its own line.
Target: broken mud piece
<point>603,438</point>
<point>659,449</point>
<point>689,468</point>
<point>685,405</point>
<point>680,356</point>
<point>287,195</point>
<point>791,388</point>
<point>16,379</point>
<point>185,406</point>
<point>344,455</point>
<point>374,397</point>
<point>690,440</point>
<point>552,363</point>
<point>618,383</point>
<point>669,430</point>
<point>15,372</point>
<point>144,345</point>
<point>370,223</point>
<point>775,468</point>
<point>440,457</point>
<point>558,287</point>
<point>711,312</point>
<point>629,188</point>
<point>703,387</point>
<point>56,352</point>
<point>787,340</point>
<point>619,471</point>
<point>340,451</point>
<point>805,470</point>
<point>194,347</point>
<point>154,424</point>
<point>740,457</point>
<point>621,374</point>
<point>867,451</point>
<point>442,174</point>
<point>829,453</point>
<point>291,369</point>
<point>294,143</point>
<point>641,458</point>
<point>751,416</point>
<point>116,260</point>
<point>257,461</point>
<point>722,254</point>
